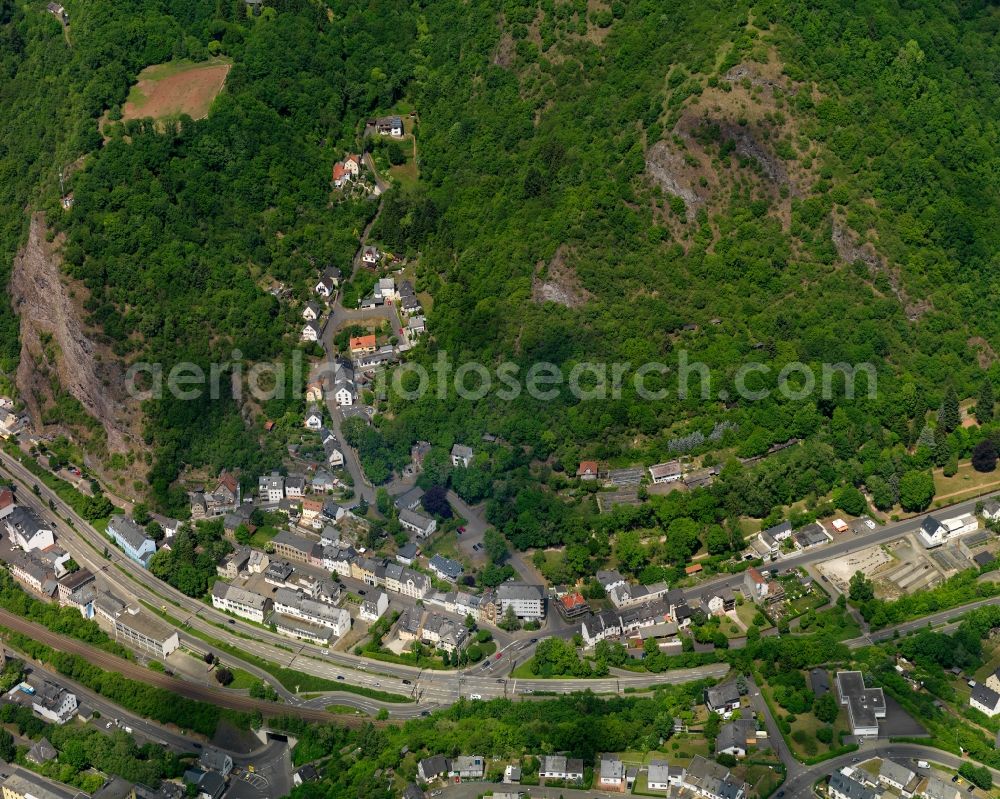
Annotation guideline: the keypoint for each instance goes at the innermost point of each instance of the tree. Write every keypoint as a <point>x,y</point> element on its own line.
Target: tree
<point>383,501</point>
<point>985,402</point>
<point>509,621</point>
<point>916,490</point>
<point>861,588</point>
<point>435,502</point>
<point>140,514</point>
<point>223,676</point>
<point>984,456</point>
<point>496,546</point>
<point>850,500</point>
<point>470,622</point>
<point>949,415</point>
<point>881,492</point>
<point>7,748</point>
<point>826,709</point>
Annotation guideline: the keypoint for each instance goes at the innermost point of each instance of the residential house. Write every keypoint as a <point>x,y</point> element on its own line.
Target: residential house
<point>311,311</point>
<point>42,752</point>
<point>234,564</point>
<point>29,532</point>
<point>361,345</point>
<point>417,325</point>
<point>407,554</point>
<point>668,472</point>
<point>432,768</point>
<point>239,602</point>
<point>600,626</point>
<point>993,681</point>
<point>467,767</point>
<point>389,126</point>
<point>329,282</point>
<point>723,698</point>
<point>409,626</point>
<point>442,632</point>
<point>610,580</point>
<point>611,774</point>
<point>344,388</point>
<point>374,606</point>
<point>844,787</point>
<point>461,455</point>
<point>53,702</point>
<point>865,706</point>
<point>445,568</point>
<point>323,481</point>
<point>736,737</point>
<point>901,779</point>
<point>588,470</point>
<point>711,780</point>
<point>512,774</point>
<point>295,486</point>
<point>32,573</point>
<point>314,418</point>
<point>370,256</point>
<point>934,532</point>
<point>132,539</point>
<point>417,523</point>
<point>308,773</point>
<point>409,500</point>
<point>258,562</point>
<point>560,767</point>
<point>937,788</point>
<point>271,488</point>
<point>661,776</point>
<point>311,331</point>
<point>7,504</point>
<point>991,510</point>
<point>985,700</point>
<point>573,605</point>
<point>811,535</point>
<point>755,586</point>
<point>25,785</point>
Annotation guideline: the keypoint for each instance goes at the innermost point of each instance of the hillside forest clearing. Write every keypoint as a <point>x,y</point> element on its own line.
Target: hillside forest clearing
<point>177,87</point>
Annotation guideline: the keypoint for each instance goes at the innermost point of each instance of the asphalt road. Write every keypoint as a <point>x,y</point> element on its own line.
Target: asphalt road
<point>797,786</point>
<point>846,543</point>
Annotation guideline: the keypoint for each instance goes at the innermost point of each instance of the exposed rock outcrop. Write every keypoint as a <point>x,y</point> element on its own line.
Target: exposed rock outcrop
<point>58,353</point>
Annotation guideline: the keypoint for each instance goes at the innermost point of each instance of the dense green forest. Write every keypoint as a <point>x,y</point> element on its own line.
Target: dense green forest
<point>536,120</point>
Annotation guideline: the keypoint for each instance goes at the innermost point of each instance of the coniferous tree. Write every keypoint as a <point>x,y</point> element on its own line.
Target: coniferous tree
<point>949,416</point>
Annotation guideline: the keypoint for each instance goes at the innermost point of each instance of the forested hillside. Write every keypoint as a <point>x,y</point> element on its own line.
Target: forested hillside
<point>770,181</point>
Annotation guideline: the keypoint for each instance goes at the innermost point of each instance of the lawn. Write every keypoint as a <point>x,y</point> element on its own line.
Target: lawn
<point>967,482</point>
<point>408,174</point>
<point>762,779</point>
<point>746,612</point>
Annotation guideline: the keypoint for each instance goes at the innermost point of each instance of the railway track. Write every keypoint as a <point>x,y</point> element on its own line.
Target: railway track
<point>200,693</point>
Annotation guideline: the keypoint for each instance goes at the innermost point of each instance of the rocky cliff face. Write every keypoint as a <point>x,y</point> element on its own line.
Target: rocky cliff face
<point>60,357</point>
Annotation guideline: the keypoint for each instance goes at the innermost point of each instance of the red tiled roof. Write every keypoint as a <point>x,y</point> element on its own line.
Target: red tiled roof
<point>694,568</point>
<point>587,467</point>
<point>339,171</point>
<point>229,481</point>
<point>361,342</point>
<point>6,499</point>
<point>571,601</point>
<point>756,576</point>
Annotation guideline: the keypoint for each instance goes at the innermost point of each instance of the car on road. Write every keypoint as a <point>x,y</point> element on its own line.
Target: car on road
<point>955,778</point>
<point>475,696</point>
<point>232,621</point>
<point>407,682</point>
<point>362,591</point>
<point>499,655</point>
<point>533,641</point>
<point>780,794</point>
<point>971,788</point>
<point>340,676</point>
<point>435,793</point>
<point>461,530</point>
<point>196,745</point>
<point>425,713</point>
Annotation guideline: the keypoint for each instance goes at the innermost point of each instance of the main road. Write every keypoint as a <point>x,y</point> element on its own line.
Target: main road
<point>429,688</point>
